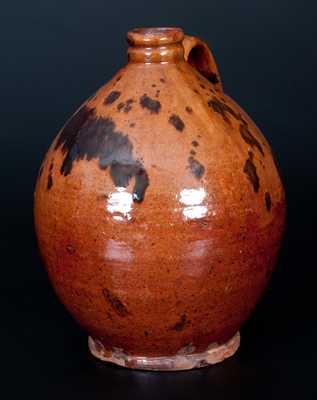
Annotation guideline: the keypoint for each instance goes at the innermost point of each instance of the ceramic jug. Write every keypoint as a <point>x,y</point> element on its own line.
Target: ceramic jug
<point>159,210</point>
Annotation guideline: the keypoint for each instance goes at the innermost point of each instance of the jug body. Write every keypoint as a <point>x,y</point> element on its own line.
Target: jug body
<point>159,210</point>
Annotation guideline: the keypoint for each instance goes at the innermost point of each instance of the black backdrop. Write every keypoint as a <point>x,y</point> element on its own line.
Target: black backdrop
<point>54,54</point>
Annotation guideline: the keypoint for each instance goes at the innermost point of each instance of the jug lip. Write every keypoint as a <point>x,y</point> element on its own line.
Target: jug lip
<point>152,36</point>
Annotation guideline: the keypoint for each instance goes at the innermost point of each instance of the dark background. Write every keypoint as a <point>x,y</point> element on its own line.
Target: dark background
<point>54,54</point>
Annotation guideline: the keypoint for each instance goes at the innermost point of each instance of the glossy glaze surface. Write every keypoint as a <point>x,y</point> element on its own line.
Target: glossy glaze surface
<point>159,209</point>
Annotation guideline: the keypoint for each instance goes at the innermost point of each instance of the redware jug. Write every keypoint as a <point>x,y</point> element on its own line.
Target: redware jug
<point>159,210</point>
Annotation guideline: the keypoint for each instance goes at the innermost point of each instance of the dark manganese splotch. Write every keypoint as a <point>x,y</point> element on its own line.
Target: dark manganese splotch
<point>70,249</point>
<point>213,78</point>
<point>125,106</point>
<point>153,105</point>
<point>223,109</point>
<point>268,201</point>
<point>86,136</point>
<point>195,143</point>
<point>115,303</point>
<point>249,138</point>
<point>112,97</point>
<point>196,168</point>
<point>189,109</point>
<point>49,182</point>
<point>177,122</point>
<point>219,108</point>
<point>181,324</point>
<point>50,178</point>
<point>250,170</point>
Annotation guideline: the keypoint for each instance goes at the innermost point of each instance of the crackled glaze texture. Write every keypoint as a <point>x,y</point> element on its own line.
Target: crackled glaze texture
<point>159,209</point>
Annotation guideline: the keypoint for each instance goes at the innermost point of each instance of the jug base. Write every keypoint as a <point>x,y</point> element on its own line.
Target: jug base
<point>214,354</point>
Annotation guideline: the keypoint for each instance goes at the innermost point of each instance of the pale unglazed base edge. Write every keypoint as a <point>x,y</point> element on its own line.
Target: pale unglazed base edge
<point>183,360</point>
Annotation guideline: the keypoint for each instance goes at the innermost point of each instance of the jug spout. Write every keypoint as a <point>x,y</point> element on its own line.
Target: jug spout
<point>155,45</point>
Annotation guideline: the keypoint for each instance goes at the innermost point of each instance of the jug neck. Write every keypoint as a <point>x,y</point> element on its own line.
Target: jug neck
<point>155,45</point>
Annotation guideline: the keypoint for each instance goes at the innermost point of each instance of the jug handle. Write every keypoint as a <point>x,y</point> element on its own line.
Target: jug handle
<point>198,54</point>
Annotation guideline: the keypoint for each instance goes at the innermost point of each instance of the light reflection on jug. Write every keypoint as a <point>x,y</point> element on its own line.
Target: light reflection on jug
<point>117,251</point>
<point>119,204</point>
<point>121,255</point>
<point>193,199</point>
<point>194,257</point>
